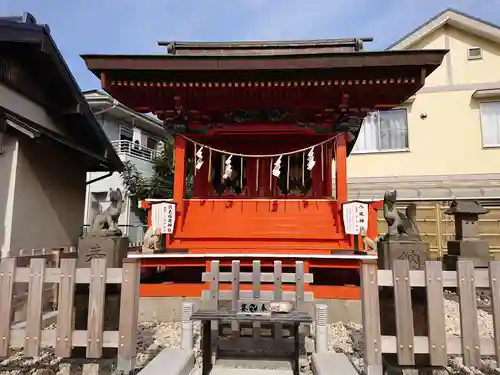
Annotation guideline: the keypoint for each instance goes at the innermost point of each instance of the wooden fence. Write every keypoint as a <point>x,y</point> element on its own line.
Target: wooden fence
<point>63,338</point>
<point>52,259</point>
<point>437,228</point>
<point>405,344</point>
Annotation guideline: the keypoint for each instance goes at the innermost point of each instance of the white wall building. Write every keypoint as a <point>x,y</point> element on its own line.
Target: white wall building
<point>136,138</point>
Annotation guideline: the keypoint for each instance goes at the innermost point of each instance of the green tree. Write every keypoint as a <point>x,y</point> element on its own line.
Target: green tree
<point>160,184</point>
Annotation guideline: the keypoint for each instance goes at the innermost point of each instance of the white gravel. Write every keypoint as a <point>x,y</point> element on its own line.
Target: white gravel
<point>346,338</point>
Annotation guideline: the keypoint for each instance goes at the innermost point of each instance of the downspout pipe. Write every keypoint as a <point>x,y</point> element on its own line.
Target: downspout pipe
<point>115,104</point>
<point>109,174</point>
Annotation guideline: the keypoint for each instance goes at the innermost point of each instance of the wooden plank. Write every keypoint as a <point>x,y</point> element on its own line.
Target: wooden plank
<point>299,283</point>
<point>226,295</point>
<point>235,283</point>
<point>453,345</point>
<point>417,278</point>
<point>370,310</point>
<point>214,285</point>
<point>255,295</point>
<point>256,279</point>
<point>265,277</point>
<point>404,312</point>
<point>34,308</point>
<point>52,275</point>
<point>7,276</point>
<point>97,295</point>
<point>66,304</point>
<point>129,315</point>
<point>435,313</point>
<point>278,276</point>
<point>494,270</point>
<point>235,286</point>
<point>468,313</point>
<point>278,279</point>
<point>79,338</point>
<point>214,304</point>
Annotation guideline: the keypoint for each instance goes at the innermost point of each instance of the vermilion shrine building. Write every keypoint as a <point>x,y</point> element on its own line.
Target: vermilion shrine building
<point>270,108</point>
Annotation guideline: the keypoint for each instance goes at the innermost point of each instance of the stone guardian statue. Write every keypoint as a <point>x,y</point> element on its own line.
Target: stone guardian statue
<point>106,223</point>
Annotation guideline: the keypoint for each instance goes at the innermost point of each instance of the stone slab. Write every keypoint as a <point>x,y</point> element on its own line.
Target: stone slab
<point>170,361</point>
<point>169,309</point>
<point>450,261</point>
<point>469,249</point>
<point>115,249</point>
<point>416,253</point>
<point>327,363</point>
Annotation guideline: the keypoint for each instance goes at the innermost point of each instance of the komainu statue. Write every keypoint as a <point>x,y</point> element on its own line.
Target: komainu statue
<point>400,226</point>
<point>152,241</point>
<point>106,223</point>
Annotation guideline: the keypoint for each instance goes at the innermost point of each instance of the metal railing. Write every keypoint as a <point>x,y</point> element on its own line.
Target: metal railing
<point>134,149</point>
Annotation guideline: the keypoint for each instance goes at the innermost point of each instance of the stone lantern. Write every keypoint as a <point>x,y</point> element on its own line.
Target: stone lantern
<point>466,244</point>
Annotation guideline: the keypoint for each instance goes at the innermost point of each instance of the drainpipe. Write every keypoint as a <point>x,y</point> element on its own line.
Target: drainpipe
<point>115,104</point>
<point>99,178</point>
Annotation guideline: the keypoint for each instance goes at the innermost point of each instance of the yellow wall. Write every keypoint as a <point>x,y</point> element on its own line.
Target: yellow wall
<point>474,71</point>
<point>448,141</point>
<point>435,40</point>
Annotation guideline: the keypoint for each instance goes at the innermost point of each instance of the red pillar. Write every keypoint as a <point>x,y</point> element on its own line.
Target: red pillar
<point>341,168</point>
<point>327,160</point>
<point>179,173</point>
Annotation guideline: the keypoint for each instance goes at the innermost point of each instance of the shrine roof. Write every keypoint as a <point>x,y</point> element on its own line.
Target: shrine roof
<point>287,61</point>
<point>264,47</point>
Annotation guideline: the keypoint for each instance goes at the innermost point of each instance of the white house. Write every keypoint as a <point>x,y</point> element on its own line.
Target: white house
<point>136,138</point>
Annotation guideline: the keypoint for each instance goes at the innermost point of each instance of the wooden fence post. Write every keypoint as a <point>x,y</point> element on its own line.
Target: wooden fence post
<point>33,337</point>
<point>404,312</point>
<point>95,321</point>
<point>370,311</point>
<point>129,313</point>
<point>65,313</point>
<point>435,313</point>
<point>7,275</point>
<point>468,313</point>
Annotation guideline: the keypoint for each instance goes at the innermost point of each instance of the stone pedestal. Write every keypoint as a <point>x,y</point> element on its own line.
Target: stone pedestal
<point>115,249</point>
<point>416,252</point>
<point>466,245</point>
<point>476,250</point>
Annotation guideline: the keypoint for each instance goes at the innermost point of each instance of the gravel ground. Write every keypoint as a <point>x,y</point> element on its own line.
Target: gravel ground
<point>154,336</point>
<point>348,338</point>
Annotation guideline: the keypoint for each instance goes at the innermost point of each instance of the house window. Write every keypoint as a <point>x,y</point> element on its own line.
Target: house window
<point>383,131</point>
<point>474,53</point>
<point>490,123</point>
<point>126,133</point>
<point>152,143</point>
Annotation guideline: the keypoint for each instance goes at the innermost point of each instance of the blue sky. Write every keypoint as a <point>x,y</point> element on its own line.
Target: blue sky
<point>131,26</point>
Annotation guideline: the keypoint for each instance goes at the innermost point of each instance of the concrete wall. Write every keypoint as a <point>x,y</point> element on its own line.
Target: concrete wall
<point>448,141</point>
<point>49,196</point>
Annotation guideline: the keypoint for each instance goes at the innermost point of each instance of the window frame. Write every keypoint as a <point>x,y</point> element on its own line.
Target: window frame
<point>472,58</point>
<point>124,129</point>
<point>387,150</point>
<point>481,124</point>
